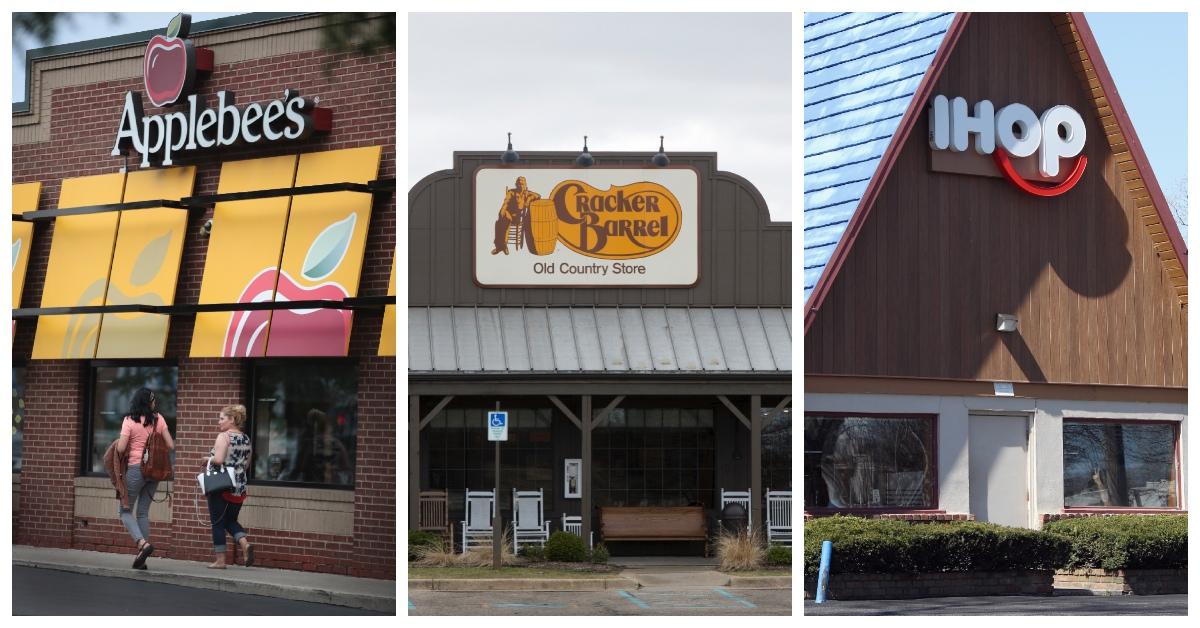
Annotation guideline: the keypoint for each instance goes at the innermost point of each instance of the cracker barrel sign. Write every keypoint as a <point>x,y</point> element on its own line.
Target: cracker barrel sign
<point>586,227</point>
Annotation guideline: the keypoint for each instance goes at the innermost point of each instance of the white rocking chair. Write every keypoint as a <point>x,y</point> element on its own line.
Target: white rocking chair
<point>779,518</point>
<point>738,497</point>
<point>477,529</point>
<point>529,524</point>
<point>574,525</point>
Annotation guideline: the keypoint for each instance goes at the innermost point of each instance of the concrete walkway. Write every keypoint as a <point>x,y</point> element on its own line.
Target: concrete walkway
<point>368,593</point>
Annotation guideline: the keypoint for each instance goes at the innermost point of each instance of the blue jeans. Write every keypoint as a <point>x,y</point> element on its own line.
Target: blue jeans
<point>223,516</point>
<point>141,494</point>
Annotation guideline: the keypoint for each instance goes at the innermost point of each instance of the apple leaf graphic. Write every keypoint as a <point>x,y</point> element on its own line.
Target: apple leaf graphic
<point>16,251</point>
<point>176,26</point>
<point>149,261</point>
<point>328,249</point>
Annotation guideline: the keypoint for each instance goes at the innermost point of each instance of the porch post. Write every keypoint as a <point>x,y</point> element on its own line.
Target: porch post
<point>756,496</point>
<point>585,507</point>
<point>414,461</point>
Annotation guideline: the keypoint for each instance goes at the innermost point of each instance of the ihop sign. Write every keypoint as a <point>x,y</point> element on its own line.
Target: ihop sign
<point>1013,131</point>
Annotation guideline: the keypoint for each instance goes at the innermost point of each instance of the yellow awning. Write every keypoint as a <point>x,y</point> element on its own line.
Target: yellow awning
<point>242,263</point>
<point>77,273</point>
<point>145,266</point>
<point>323,253</point>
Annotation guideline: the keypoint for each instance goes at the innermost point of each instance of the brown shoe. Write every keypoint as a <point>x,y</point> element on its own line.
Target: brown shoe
<point>496,251</point>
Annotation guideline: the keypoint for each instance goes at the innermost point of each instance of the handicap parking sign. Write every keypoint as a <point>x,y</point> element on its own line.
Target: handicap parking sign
<point>497,425</point>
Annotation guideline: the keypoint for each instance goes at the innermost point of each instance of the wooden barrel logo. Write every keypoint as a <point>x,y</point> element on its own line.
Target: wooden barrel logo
<point>542,227</point>
<point>622,222</point>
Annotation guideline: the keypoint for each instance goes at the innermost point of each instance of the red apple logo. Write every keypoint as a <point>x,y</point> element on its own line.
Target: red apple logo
<point>170,63</point>
<point>246,336</point>
<point>313,332</point>
<point>318,331</point>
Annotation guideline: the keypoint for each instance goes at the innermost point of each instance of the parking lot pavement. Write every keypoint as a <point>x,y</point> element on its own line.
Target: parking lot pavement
<point>684,601</point>
<point>1008,605</point>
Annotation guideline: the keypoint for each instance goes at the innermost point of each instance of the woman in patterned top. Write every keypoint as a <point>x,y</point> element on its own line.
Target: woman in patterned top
<point>231,449</point>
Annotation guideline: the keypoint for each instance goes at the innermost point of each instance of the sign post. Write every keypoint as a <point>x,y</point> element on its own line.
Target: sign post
<point>497,431</point>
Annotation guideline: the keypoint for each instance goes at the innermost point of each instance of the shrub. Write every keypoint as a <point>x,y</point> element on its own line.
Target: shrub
<point>779,555</point>
<point>741,551</point>
<point>889,546</point>
<point>566,547</point>
<point>533,552</point>
<point>600,555</point>
<point>418,539</point>
<point>1124,541</point>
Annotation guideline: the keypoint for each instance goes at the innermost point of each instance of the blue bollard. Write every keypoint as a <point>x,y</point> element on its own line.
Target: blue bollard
<point>823,574</point>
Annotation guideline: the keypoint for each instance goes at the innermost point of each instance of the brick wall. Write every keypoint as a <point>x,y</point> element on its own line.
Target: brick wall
<point>1122,581</point>
<point>361,91</point>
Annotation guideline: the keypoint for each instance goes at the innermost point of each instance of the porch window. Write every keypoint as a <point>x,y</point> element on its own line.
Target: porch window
<point>884,462</point>
<point>1110,464</point>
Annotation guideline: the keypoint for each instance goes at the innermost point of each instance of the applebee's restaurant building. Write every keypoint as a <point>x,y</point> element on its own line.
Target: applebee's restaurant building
<point>633,320</point>
<point>995,288</point>
<point>171,190</point>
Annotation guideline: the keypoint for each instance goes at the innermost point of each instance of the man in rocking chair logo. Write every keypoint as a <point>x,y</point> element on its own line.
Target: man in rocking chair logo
<point>516,204</point>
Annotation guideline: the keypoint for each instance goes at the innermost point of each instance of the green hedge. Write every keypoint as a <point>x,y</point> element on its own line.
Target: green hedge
<point>890,546</point>
<point>1125,541</point>
<point>420,538</point>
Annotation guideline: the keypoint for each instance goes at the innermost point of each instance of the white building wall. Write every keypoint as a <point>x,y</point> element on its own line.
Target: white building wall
<point>1045,436</point>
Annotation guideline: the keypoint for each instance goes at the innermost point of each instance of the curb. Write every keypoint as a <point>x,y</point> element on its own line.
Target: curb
<point>353,600</point>
<point>521,584</point>
<point>760,582</point>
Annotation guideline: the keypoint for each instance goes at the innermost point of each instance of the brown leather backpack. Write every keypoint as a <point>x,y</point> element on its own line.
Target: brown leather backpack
<point>156,460</point>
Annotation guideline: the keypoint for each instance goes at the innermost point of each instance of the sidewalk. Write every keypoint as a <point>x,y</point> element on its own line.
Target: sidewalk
<point>368,593</point>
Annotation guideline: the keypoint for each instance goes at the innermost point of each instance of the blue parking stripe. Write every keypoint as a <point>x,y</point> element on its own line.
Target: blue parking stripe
<point>410,604</point>
<point>735,598</point>
<point>633,598</point>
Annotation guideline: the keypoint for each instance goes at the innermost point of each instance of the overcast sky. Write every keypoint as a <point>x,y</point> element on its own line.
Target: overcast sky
<point>708,82</point>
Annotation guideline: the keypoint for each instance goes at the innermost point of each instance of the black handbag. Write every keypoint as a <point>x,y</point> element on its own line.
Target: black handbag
<point>216,480</point>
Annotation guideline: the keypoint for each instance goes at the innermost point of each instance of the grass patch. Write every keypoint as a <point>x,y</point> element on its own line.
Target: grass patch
<point>503,572</point>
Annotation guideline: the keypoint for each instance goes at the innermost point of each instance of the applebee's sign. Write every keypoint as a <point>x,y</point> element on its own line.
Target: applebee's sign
<point>1059,133</point>
<point>586,227</point>
<point>170,67</point>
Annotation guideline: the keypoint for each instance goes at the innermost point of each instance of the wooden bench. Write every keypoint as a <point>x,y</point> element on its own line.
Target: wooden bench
<point>641,523</point>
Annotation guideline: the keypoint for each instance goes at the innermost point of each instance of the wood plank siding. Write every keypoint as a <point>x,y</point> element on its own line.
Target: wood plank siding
<point>941,254</point>
<point>745,259</point>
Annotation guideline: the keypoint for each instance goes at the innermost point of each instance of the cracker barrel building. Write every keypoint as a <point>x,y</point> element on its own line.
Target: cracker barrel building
<point>632,320</point>
<point>996,289</point>
<point>209,214</point>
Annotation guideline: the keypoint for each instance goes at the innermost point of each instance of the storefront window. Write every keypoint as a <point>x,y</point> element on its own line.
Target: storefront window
<point>18,415</point>
<point>113,388</point>
<point>777,450</point>
<point>1119,465</point>
<point>869,462</point>
<point>305,421</point>
<point>461,457</point>
<point>654,457</point>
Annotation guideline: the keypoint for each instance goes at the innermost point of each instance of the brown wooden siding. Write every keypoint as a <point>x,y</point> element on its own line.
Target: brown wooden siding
<point>745,259</point>
<point>941,254</point>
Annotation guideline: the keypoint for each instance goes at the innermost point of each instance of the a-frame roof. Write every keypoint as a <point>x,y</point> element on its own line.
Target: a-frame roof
<point>859,68</point>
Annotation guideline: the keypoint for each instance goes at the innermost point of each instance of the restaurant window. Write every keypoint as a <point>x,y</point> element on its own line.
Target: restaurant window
<point>654,457</point>
<point>884,462</point>
<point>18,415</point>
<point>1108,464</point>
<point>112,390</point>
<point>461,457</point>
<point>305,422</point>
<point>777,450</point>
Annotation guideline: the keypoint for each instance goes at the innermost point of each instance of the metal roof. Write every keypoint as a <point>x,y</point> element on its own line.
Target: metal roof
<point>448,340</point>
<point>860,73</point>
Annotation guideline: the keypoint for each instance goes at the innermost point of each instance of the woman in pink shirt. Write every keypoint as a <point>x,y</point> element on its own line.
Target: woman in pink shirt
<point>143,419</point>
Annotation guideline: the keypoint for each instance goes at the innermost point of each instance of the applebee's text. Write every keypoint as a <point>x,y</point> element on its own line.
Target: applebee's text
<point>158,138</point>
